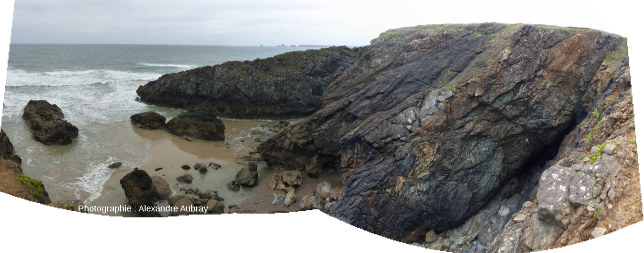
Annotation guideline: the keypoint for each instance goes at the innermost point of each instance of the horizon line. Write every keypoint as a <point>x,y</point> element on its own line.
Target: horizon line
<point>151,44</point>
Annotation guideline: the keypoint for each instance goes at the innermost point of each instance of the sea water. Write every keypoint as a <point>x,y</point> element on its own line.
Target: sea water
<point>95,86</point>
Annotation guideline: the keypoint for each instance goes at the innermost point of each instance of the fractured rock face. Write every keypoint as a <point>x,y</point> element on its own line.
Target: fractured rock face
<point>48,124</point>
<point>430,120</point>
<point>291,84</point>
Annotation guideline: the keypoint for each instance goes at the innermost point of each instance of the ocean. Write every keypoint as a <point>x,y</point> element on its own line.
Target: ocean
<point>95,86</point>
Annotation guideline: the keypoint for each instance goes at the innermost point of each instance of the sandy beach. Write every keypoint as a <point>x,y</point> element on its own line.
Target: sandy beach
<point>170,152</point>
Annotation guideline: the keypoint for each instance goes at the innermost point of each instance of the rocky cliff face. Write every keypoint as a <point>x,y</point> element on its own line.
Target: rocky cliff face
<point>13,181</point>
<point>483,137</point>
<point>431,122</point>
<point>286,85</point>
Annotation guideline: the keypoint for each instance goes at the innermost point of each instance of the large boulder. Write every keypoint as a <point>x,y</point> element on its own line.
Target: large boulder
<point>430,120</point>
<point>147,120</point>
<point>48,124</point>
<point>289,84</point>
<point>201,124</point>
<point>140,190</point>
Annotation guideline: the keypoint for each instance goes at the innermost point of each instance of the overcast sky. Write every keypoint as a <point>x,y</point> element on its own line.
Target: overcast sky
<point>268,22</point>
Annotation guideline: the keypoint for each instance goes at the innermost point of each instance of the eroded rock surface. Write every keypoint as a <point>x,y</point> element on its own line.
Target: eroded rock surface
<point>48,124</point>
<point>430,120</point>
<point>285,85</point>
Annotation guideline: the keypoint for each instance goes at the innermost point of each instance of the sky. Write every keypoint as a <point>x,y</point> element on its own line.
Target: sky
<point>267,22</point>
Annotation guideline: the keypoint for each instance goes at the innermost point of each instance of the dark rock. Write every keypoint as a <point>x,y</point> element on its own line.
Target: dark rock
<point>158,169</point>
<point>7,151</point>
<point>201,124</point>
<point>247,176</point>
<point>48,124</point>
<point>140,191</point>
<point>429,121</point>
<point>186,178</point>
<point>185,167</point>
<point>233,186</point>
<point>291,84</point>
<point>147,120</point>
<point>203,170</point>
<point>115,165</point>
<point>198,166</point>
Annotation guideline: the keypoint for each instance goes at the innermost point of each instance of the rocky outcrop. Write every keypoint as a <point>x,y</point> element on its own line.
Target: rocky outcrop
<point>147,120</point>
<point>7,152</point>
<point>140,190</point>
<point>48,124</point>
<point>591,187</point>
<point>430,121</point>
<point>285,85</point>
<point>201,124</point>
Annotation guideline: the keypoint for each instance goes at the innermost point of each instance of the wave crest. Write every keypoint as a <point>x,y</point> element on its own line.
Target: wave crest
<point>17,77</point>
<point>163,65</point>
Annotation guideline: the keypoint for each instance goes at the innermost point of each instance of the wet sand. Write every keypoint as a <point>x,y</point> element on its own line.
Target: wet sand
<point>170,152</point>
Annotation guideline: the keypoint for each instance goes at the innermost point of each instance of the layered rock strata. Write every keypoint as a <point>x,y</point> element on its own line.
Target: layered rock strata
<point>285,85</point>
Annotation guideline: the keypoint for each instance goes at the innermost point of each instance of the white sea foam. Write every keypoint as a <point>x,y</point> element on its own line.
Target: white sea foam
<point>164,65</point>
<point>17,77</point>
<point>93,180</point>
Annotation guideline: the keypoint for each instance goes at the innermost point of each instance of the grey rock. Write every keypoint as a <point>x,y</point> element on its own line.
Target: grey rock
<point>162,187</point>
<point>247,176</point>
<point>186,178</point>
